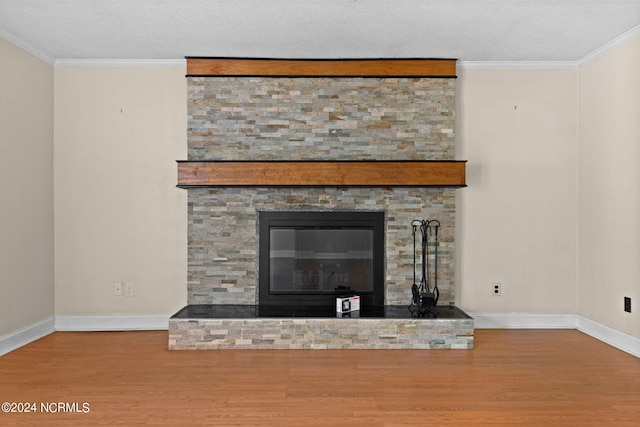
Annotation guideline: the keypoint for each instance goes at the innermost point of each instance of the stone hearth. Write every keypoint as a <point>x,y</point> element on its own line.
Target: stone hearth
<point>211,327</point>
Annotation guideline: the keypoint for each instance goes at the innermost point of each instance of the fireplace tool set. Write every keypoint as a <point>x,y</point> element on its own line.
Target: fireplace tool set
<point>425,297</point>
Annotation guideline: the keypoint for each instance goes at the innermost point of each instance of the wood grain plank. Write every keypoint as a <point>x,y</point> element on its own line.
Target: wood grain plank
<point>321,173</point>
<point>511,377</point>
<point>321,68</point>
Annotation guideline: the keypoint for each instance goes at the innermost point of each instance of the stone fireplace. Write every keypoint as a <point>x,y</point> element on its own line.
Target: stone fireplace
<point>314,119</point>
<point>256,118</point>
<point>223,238</point>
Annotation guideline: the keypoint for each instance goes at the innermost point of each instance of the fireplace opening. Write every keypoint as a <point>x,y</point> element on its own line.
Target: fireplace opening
<point>310,258</point>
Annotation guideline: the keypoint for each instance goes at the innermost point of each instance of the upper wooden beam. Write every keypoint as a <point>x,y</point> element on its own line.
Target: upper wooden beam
<point>238,67</point>
<point>233,173</point>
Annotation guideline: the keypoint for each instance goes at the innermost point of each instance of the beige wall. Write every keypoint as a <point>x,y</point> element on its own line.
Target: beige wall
<point>516,219</point>
<point>115,172</point>
<point>555,220</point>
<point>118,215</point>
<point>26,189</point>
<point>609,190</point>
<point>120,219</point>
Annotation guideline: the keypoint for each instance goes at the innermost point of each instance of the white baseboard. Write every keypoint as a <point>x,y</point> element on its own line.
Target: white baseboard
<point>613,337</point>
<point>26,335</point>
<point>112,323</point>
<point>606,334</point>
<point>523,321</point>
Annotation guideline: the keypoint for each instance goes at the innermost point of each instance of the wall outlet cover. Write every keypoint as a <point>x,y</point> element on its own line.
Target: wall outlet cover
<point>496,289</point>
<point>128,289</point>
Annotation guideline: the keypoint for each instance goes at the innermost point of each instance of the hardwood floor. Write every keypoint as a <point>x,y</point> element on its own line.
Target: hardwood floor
<point>512,377</point>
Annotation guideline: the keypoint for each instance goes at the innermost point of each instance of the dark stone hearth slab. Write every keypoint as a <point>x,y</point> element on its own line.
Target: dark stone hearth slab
<point>217,327</point>
<point>235,311</point>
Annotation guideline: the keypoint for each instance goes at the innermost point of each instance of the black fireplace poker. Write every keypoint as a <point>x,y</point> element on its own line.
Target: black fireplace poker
<point>425,298</point>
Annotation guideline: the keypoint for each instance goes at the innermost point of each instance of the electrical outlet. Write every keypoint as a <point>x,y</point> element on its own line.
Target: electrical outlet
<point>128,289</point>
<point>496,289</point>
<point>117,289</point>
<point>627,304</point>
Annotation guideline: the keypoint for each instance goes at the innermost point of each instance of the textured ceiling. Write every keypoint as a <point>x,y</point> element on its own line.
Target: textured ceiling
<point>468,30</point>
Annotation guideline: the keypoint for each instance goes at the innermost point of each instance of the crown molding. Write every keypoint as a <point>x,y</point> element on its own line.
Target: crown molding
<point>517,65</point>
<point>634,32</point>
<point>551,65</point>
<point>29,47</point>
<point>470,65</point>
<point>72,62</point>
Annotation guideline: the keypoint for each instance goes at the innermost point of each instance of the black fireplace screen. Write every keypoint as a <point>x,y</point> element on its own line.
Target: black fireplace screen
<point>309,258</point>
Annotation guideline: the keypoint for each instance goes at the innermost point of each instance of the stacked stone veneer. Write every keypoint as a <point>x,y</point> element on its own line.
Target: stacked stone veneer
<point>320,334</point>
<point>314,119</point>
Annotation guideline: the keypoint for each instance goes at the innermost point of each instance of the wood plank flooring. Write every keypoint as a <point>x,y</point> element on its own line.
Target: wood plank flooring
<point>512,377</point>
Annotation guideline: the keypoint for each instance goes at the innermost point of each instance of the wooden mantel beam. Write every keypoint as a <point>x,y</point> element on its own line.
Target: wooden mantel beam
<point>244,67</point>
<point>276,173</point>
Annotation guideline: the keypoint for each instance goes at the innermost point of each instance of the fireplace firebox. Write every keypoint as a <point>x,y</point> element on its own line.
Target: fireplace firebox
<point>310,258</point>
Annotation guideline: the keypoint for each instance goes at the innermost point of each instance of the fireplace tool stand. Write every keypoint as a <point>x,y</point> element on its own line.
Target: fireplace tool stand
<point>425,298</point>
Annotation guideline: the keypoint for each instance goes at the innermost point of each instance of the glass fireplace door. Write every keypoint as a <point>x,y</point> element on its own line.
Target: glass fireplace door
<point>309,260</point>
